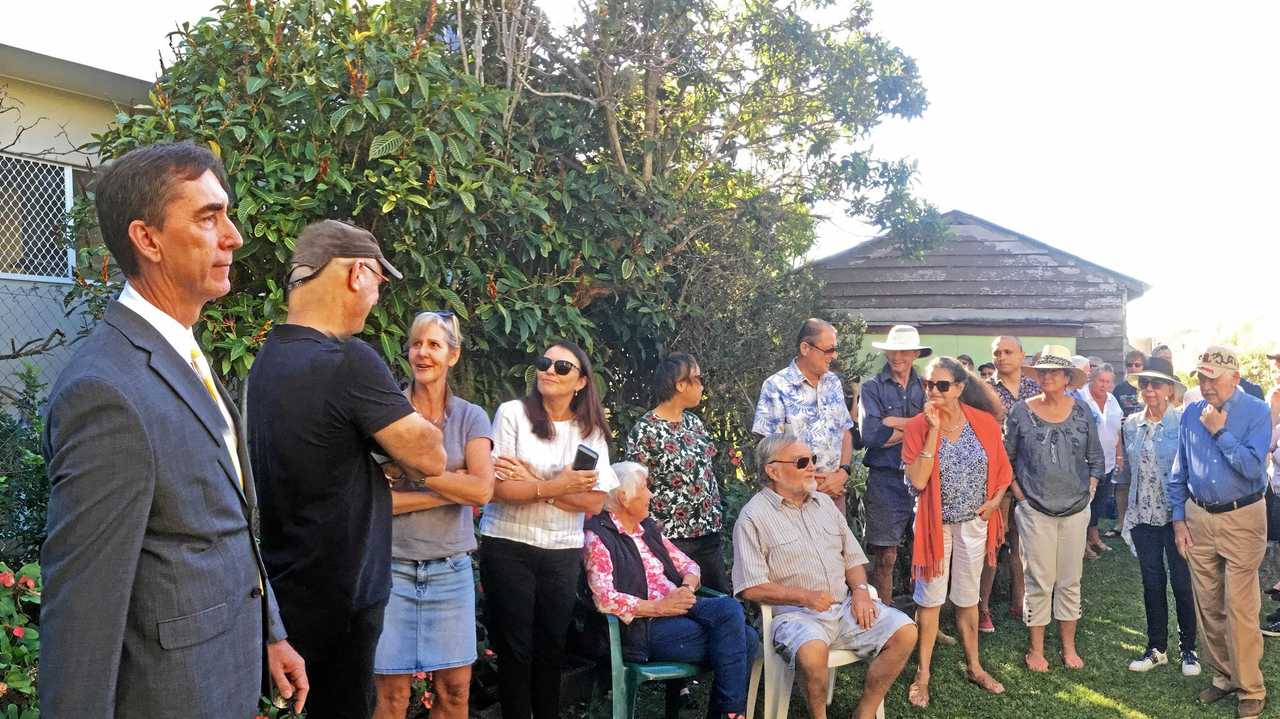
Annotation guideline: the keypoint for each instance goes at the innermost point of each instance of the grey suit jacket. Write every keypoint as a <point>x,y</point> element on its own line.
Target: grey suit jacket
<point>152,605</point>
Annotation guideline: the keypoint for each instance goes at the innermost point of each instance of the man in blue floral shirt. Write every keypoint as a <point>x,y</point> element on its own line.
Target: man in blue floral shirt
<point>808,398</point>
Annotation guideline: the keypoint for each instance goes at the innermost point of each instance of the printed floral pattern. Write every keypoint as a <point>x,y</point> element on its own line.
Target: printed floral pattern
<point>820,416</point>
<point>679,455</point>
<point>1026,388</point>
<point>600,573</point>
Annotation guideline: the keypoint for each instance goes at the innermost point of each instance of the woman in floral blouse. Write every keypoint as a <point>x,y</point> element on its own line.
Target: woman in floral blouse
<point>673,444</point>
<point>641,577</point>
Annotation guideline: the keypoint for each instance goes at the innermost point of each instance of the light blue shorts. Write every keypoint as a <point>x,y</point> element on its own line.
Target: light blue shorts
<point>430,620</point>
<point>793,627</point>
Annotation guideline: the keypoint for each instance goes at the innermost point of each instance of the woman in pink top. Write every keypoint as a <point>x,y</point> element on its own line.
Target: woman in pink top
<point>639,576</point>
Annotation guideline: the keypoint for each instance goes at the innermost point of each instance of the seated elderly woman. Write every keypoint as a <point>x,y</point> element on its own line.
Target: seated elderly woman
<point>638,575</point>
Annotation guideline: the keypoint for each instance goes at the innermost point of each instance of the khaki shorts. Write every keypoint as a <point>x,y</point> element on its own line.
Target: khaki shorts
<point>964,547</point>
<point>793,627</point>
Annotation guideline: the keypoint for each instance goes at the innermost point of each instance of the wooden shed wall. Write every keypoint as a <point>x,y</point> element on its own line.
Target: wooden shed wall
<point>982,278</point>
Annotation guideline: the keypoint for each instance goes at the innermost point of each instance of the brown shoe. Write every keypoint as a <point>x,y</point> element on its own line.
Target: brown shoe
<point>1250,708</point>
<point>1212,694</point>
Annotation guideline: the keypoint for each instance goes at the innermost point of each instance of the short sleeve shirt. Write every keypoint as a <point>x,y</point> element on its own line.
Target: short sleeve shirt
<point>804,547</point>
<point>680,457</point>
<point>314,404</point>
<point>818,415</point>
<point>442,532</point>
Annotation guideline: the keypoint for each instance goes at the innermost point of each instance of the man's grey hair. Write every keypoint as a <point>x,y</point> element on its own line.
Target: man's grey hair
<point>770,446</point>
<point>1098,369</point>
<point>1011,338</point>
<point>631,476</point>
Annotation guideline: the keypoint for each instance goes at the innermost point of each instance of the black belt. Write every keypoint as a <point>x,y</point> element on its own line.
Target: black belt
<point>1221,507</point>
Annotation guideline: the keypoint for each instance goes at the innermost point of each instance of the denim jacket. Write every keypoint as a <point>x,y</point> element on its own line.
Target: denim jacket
<point>1166,442</point>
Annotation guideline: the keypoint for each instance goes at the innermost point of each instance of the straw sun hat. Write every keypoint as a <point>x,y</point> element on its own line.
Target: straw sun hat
<point>1059,357</point>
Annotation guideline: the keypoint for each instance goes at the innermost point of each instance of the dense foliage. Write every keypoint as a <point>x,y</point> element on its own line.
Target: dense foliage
<point>638,183</point>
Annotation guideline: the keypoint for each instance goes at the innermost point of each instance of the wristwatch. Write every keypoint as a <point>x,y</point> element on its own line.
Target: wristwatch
<point>1219,433</point>
<point>848,469</point>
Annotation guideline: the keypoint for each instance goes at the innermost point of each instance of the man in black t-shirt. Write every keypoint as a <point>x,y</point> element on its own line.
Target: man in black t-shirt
<point>319,402</point>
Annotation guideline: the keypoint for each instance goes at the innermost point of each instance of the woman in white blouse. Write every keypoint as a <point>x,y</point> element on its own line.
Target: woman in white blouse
<point>531,552</point>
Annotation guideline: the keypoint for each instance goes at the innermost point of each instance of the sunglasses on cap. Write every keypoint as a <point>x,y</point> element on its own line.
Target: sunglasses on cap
<point>563,367</point>
<point>942,385</point>
<point>799,462</point>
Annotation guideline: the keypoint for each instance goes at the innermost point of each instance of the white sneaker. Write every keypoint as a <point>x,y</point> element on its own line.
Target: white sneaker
<point>1150,660</point>
<point>1190,664</point>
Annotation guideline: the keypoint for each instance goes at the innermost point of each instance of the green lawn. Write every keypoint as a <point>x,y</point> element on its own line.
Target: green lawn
<point>1110,635</point>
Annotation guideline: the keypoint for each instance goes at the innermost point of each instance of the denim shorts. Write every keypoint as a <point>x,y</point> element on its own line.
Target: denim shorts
<point>430,621</point>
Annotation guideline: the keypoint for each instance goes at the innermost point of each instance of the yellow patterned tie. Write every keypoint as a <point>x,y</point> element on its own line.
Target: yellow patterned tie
<point>213,393</point>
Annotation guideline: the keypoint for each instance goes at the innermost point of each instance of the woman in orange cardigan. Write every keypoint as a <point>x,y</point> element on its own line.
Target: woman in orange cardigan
<point>956,462</point>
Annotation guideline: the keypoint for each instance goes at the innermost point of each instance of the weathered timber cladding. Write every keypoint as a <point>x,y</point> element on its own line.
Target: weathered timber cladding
<point>984,279</point>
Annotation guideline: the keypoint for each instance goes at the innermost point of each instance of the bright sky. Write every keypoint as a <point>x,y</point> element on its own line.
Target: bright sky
<point>1140,135</point>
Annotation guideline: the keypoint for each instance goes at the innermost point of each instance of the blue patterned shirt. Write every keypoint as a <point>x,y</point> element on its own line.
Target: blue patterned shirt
<point>818,415</point>
<point>1227,468</point>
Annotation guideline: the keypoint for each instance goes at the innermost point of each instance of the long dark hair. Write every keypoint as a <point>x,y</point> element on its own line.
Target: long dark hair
<point>976,393</point>
<point>588,413</point>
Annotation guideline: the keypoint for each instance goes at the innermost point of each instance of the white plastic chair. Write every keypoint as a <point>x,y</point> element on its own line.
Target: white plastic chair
<point>778,677</point>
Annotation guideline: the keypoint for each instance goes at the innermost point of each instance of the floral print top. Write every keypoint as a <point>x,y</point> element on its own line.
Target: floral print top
<point>679,455</point>
<point>963,474</point>
<point>819,415</point>
<point>600,573</point>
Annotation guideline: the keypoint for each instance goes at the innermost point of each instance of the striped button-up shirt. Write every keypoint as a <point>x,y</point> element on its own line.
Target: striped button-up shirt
<point>806,547</point>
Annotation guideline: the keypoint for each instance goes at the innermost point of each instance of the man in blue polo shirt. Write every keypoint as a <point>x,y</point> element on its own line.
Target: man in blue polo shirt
<point>1220,524</point>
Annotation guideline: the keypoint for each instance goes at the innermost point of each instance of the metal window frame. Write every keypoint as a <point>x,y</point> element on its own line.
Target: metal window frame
<point>68,190</point>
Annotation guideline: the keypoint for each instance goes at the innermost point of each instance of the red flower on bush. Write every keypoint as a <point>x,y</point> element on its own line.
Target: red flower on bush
<point>420,675</point>
<point>427,700</point>
<point>27,583</point>
<point>19,632</point>
<point>6,580</point>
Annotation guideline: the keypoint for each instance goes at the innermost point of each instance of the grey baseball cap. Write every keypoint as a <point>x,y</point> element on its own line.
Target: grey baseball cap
<point>322,241</point>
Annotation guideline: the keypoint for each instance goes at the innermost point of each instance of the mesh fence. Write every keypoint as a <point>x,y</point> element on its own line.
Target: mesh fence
<point>33,204</point>
<point>32,317</point>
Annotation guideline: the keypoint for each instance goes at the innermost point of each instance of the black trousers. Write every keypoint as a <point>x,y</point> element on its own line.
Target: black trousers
<point>1156,549</point>
<point>529,597</point>
<point>338,647</point>
<point>708,553</point>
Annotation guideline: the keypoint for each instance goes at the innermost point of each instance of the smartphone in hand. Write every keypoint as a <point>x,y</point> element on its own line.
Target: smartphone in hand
<point>586,458</point>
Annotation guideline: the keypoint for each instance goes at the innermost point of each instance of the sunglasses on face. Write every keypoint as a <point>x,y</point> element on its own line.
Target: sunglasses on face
<point>563,367</point>
<point>942,385</point>
<point>827,352</point>
<point>1145,382</point>
<point>1134,364</point>
<point>799,462</point>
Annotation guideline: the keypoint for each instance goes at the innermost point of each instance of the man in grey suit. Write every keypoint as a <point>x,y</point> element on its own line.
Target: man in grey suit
<point>156,602</point>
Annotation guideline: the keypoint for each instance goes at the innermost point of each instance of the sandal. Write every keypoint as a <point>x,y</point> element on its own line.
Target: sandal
<point>918,695</point>
<point>1090,554</point>
<point>984,681</point>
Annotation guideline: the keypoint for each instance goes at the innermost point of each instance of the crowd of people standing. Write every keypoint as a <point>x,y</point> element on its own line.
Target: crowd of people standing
<point>322,541</point>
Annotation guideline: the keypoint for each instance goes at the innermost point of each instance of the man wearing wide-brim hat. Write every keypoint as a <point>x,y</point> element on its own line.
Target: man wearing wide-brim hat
<point>1220,523</point>
<point>888,401</point>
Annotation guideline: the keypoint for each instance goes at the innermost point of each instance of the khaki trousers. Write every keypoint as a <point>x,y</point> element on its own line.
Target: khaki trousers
<point>1052,551</point>
<point>1226,551</point>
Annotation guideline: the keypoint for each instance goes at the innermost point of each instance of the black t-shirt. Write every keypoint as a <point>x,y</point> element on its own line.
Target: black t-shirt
<point>314,403</point>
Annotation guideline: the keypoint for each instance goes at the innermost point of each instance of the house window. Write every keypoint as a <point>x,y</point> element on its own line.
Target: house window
<point>34,200</point>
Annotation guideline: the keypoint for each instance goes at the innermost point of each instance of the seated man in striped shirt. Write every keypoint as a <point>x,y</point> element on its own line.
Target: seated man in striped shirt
<point>792,548</point>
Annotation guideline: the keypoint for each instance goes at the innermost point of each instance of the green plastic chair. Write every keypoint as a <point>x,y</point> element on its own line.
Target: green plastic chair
<point>626,677</point>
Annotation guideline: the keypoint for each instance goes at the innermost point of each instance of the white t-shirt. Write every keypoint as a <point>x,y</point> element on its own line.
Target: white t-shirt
<point>1193,394</point>
<point>1110,418</point>
<point>540,524</point>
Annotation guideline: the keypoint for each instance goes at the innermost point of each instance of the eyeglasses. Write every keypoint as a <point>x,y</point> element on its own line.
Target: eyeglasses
<point>799,462</point>
<point>376,273</point>
<point>942,385</point>
<point>1145,382</point>
<point>828,352</point>
<point>1133,365</point>
<point>563,367</point>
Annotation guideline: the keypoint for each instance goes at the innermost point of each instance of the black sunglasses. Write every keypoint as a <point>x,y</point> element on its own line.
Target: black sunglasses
<point>563,367</point>
<point>1145,382</point>
<point>942,385</point>
<point>800,462</point>
<point>820,349</point>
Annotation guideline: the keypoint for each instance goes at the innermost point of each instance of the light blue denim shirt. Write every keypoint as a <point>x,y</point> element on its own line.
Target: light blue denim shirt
<point>1149,449</point>
<point>1223,469</point>
<point>1165,440</point>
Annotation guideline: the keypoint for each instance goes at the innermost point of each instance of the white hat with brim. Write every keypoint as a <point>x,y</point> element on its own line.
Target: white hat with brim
<point>1059,357</point>
<point>903,337</point>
